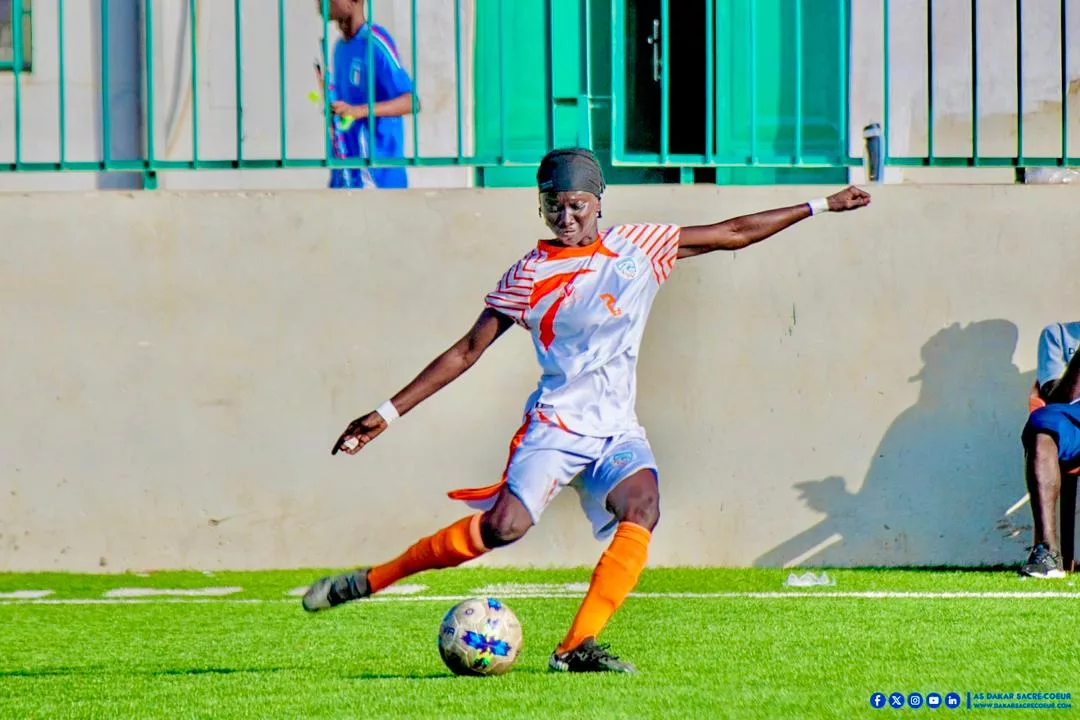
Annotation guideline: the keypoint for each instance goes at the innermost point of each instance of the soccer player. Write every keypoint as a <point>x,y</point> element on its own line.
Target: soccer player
<point>1051,439</point>
<point>393,96</point>
<point>584,296</point>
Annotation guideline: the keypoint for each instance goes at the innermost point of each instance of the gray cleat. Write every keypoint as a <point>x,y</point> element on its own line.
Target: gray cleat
<point>1043,563</point>
<point>334,590</point>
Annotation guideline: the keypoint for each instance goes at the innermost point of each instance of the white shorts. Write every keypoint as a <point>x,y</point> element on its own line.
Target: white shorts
<point>545,458</point>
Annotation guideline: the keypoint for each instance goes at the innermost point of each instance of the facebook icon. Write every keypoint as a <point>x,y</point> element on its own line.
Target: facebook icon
<point>877,700</point>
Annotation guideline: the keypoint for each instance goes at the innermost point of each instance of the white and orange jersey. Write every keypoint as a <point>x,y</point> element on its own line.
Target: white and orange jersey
<point>586,308</point>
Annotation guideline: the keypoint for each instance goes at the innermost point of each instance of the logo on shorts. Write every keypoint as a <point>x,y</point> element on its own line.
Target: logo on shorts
<point>626,268</point>
<point>622,458</point>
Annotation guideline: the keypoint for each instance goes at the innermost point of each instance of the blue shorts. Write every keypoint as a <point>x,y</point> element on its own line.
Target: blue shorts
<point>1061,422</point>
<point>391,177</point>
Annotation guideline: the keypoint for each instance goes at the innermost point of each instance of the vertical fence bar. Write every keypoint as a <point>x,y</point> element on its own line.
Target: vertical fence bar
<point>1064,85</point>
<point>106,113</point>
<point>1019,85</point>
<point>457,76</point>
<point>798,82</point>
<point>503,105</point>
<point>193,42</point>
<point>149,177</point>
<point>974,82</point>
<point>845,84</point>
<point>665,81</point>
<point>415,83</point>
<point>369,124</point>
<point>751,32</point>
<point>282,120</point>
<point>618,78</point>
<point>325,71</point>
<point>885,111</point>
<point>239,48</point>
<point>930,81</point>
<point>549,71</point>
<point>710,73</point>
<point>585,113</point>
<point>16,69</point>
<point>61,101</point>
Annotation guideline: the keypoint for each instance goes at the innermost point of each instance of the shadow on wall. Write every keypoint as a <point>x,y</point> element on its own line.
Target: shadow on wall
<point>945,473</point>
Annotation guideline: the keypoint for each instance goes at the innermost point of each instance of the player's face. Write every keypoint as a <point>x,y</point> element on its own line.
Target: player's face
<point>571,216</point>
<point>338,9</point>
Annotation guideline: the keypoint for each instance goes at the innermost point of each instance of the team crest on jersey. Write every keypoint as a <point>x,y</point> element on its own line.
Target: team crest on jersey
<point>626,268</point>
<point>356,71</point>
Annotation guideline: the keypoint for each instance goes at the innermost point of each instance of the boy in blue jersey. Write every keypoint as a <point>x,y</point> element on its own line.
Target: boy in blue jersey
<point>384,136</point>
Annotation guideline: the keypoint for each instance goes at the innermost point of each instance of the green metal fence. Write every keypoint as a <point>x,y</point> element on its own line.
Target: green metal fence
<point>975,158</point>
<point>750,86</point>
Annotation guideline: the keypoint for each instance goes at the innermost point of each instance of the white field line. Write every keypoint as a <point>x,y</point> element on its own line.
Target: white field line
<point>159,592</point>
<point>25,594</point>
<point>762,595</point>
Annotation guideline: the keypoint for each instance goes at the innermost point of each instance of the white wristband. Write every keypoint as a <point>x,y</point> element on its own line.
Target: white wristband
<point>818,205</point>
<point>388,412</point>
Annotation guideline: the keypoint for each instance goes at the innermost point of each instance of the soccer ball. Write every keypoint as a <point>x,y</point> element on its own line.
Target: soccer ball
<point>480,636</point>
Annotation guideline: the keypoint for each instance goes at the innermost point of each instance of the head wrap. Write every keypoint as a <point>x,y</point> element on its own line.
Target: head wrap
<point>570,170</point>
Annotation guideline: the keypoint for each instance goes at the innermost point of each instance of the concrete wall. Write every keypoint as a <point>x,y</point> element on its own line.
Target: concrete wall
<point>176,367</point>
<point>434,73</point>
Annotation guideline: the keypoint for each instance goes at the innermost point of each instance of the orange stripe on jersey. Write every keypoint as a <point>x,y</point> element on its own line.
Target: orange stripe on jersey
<point>490,491</point>
<point>553,284</point>
<point>562,252</point>
<point>511,295</point>
<point>660,243</point>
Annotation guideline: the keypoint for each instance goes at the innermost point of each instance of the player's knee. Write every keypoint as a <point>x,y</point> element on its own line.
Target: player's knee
<point>504,525</point>
<point>643,509</point>
<point>1039,441</point>
<point>1041,424</point>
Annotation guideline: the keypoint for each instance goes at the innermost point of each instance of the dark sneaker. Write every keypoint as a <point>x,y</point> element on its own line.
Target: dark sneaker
<point>589,657</point>
<point>1043,563</point>
<point>334,590</point>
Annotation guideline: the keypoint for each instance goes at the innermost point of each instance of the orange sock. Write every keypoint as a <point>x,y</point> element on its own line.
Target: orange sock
<point>449,547</point>
<point>614,577</point>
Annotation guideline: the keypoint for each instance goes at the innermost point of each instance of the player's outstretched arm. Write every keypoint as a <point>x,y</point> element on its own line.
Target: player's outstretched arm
<point>439,373</point>
<point>740,232</point>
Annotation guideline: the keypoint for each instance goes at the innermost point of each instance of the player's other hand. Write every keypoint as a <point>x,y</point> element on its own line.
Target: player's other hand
<point>360,432</point>
<point>345,110</point>
<point>850,198</point>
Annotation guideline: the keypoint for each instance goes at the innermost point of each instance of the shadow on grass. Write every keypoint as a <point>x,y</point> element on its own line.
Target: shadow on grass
<point>924,568</point>
<point>187,672</point>
<point>445,675</point>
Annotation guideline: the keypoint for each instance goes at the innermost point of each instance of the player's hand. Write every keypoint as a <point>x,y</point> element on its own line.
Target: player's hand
<point>360,432</point>
<point>345,110</point>
<point>850,198</point>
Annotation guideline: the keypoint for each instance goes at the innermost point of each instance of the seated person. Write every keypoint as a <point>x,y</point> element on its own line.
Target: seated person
<point>1051,440</point>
